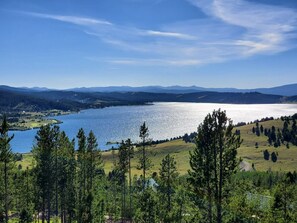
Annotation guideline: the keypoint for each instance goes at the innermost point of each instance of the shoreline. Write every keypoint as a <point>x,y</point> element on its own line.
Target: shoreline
<point>47,117</point>
<point>24,121</point>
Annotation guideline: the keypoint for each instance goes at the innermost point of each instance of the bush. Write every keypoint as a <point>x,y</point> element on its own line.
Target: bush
<point>273,157</point>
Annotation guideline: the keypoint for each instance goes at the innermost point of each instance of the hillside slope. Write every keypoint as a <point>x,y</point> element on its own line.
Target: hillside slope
<point>19,100</point>
<point>287,158</point>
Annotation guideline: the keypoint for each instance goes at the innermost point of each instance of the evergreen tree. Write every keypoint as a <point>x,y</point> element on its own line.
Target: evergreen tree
<point>168,175</point>
<point>123,166</point>
<point>130,151</point>
<point>23,196</point>
<point>81,175</point>
<point>214,160</point>
<point>66,178</point>
<point>89,175</point>
<point>261,129</point>
<point>56,170</point>
<point>147,208</point>
<point>43,153</point>
<point>284,206</point>
<point>266,154</point>
<point>6,159</point>
<point>273,157</point>
<point>145,163</point>
<point>114,194</point>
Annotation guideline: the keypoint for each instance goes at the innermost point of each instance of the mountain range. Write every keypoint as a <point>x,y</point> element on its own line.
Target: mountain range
<point>284,90</point>
<point>39,99</point>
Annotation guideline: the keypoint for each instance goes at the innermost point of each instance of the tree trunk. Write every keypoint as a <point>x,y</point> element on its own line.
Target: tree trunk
<point>6,191</point>
<point>219,203</point>
<point>62,206</point>
<point>143,154</point>
<point>56,182</point>
<point>209,203</point>
<point>168,185</point>
<point>49,208</point>
<point>130,186</point>
<point>43,210</point>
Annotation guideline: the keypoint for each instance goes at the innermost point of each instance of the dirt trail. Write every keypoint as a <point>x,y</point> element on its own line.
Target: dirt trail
<point>245,166</point>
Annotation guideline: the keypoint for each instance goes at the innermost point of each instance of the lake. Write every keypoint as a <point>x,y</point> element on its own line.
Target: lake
<point>164,120</point>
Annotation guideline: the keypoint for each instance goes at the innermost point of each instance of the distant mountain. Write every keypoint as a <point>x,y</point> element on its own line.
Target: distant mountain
<point>149,89</point>
<point>16,100</point>
<point>285,90</point>
<point>22,89</point>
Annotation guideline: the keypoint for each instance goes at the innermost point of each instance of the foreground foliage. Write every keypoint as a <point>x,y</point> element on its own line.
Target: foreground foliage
<point>68,185</point>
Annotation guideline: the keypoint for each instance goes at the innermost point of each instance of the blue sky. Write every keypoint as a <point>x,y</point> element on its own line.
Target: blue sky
<point>208,43</point>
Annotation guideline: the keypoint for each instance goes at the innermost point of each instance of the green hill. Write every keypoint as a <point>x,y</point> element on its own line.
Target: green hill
<point>287,158</point>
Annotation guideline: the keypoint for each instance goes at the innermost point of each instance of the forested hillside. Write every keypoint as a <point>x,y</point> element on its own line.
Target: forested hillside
<point>15,100</point>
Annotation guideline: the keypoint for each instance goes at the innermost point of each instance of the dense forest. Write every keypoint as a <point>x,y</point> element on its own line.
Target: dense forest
<point>67,181</point>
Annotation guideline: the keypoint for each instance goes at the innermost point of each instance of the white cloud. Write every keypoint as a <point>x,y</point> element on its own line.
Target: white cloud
<point>149,62</point>
<point>266,29</point>
<point>71,19</point>
<point>168,34</point>
<point>232,29</point>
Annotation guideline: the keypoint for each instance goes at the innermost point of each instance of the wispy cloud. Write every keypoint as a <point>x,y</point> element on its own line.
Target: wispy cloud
<point>145,62</point>
<point>71,19</point>
<point>159,62</point>
<point>231,29</point>
<point>266,29</point>
<point>168,34</point>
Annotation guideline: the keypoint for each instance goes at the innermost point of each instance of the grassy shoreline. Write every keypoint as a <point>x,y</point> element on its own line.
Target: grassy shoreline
<point>23,121</point>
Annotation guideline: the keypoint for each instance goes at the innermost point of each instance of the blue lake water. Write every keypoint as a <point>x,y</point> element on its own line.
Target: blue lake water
<point>164,120</point>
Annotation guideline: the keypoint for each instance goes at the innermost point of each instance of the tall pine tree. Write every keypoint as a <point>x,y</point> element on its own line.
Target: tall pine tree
<point>214,161</point>
<point>144,163</point>
<point>168,175</point>
<point>44,155</point>
<point>6,159</point>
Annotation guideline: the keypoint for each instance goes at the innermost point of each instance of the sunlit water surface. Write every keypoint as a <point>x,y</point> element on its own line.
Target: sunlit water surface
<point>164,120</point>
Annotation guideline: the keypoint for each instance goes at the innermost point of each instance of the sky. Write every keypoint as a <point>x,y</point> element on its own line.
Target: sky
<point>209,43</point>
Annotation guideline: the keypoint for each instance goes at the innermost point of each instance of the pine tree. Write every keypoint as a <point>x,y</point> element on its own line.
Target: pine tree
<point>284,201</point>
<point>66,178</point>
<point>43,153</point>
<point>23,196</point>
<point>144,162</point>
<point>147,208</point>
<point>6,159</point>
<point>130,156</point>
<point>168,175</point>
<point>89,160</point>
<point>214,160</point>
<point>123,165</point>
<point>93,162</point>
<point>56,169</point>
<point>81,175</point>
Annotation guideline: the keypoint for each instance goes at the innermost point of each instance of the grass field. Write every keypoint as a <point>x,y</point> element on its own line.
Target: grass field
<point>287,158</point>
